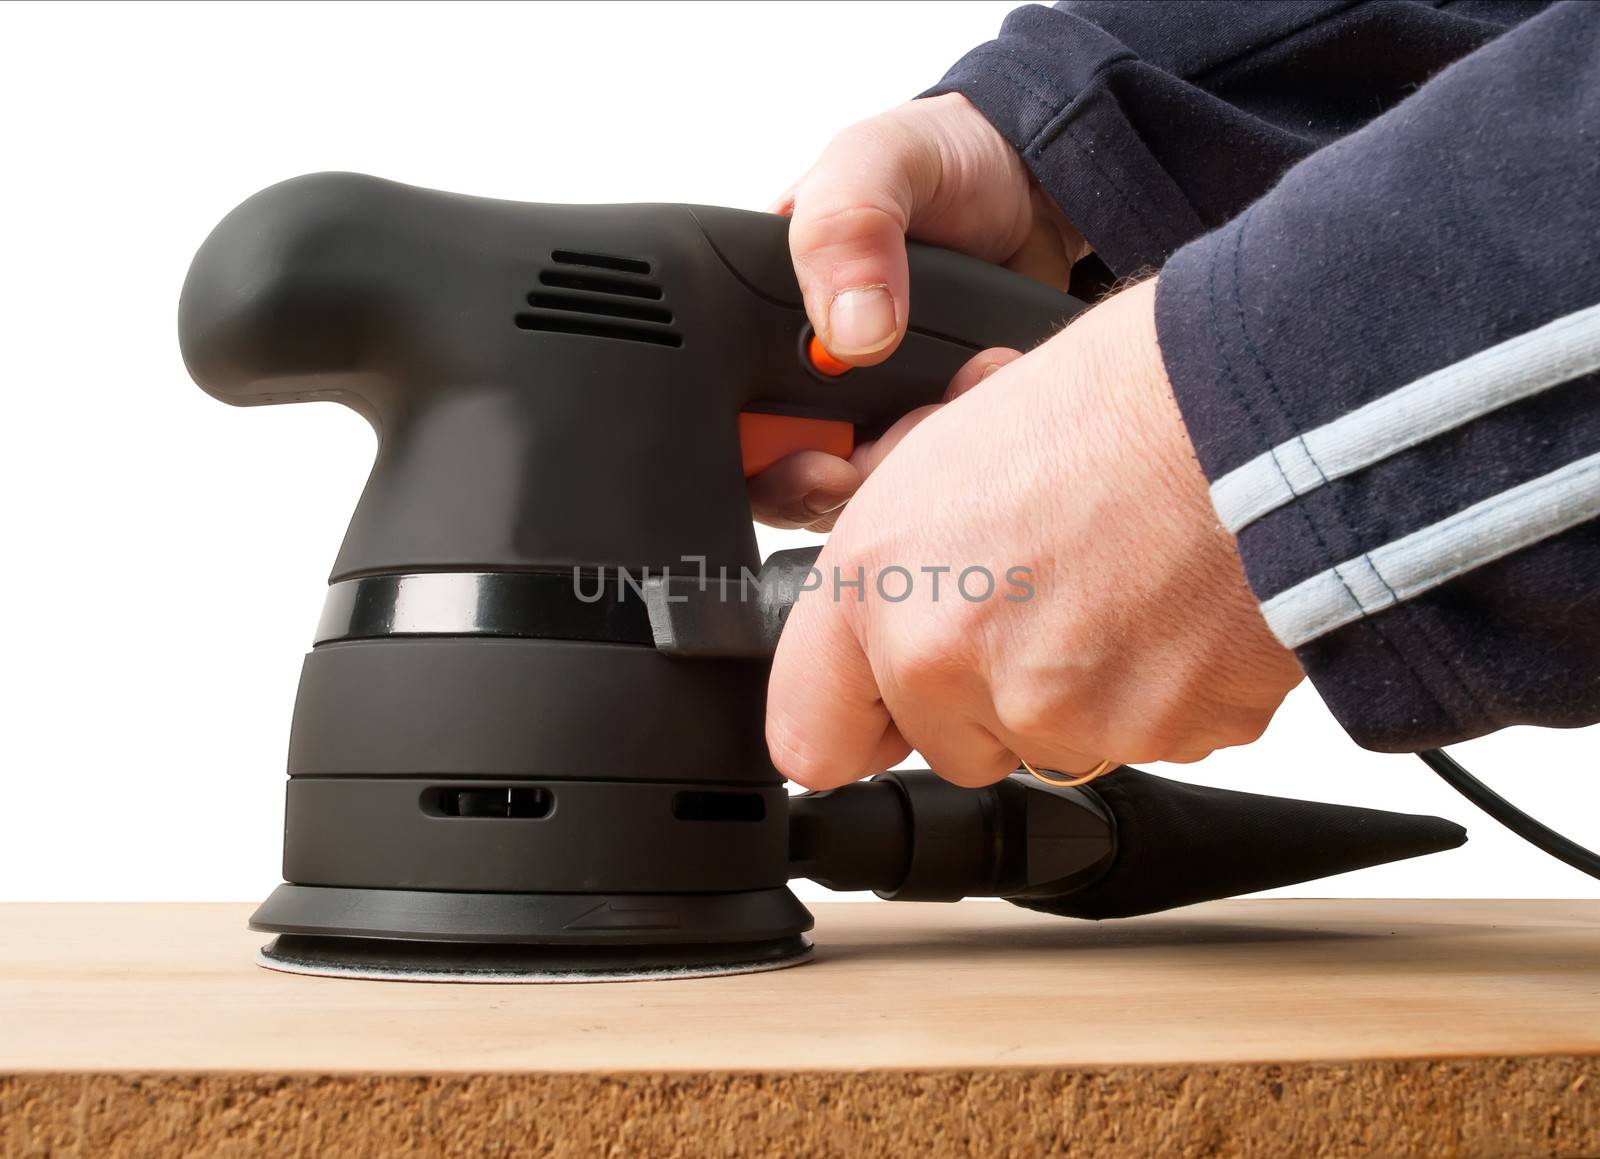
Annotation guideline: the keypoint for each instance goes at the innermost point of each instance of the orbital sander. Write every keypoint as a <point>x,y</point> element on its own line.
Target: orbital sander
<point>528,740</point>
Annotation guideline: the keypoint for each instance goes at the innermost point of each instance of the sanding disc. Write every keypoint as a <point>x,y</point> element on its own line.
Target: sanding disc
<point>385,960</point>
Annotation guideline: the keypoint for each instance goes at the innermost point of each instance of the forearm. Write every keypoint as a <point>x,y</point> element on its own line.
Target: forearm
<point>1388,368</point>
<point>1150,123</point>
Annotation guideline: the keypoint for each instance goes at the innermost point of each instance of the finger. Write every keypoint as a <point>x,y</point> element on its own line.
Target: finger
<point>979,367</point>
<point>1052,245</point>
<point>1038,731</point>
<point>938,703</point>
<point>869,455</point>
<point>1049,756</point>
<point>892,749</point>
<point>1187,756</point>
<point>801,488</point>
<point>962,752</point>
<point>826,723</point>
<point>847,236</point>
<point>784,206</point>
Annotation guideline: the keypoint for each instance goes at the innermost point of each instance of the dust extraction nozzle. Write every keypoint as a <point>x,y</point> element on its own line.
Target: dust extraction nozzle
<point>1178,844</point>
<point>1131,843</point>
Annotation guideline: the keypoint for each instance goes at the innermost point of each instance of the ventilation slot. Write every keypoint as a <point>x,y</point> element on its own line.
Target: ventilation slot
<point>600,284</point>
<point>701,806</point>
<point>618,330</point>
<point>601,261</point>
<point>632,310</point>
<point>611,305</point>
<point>525,804</point>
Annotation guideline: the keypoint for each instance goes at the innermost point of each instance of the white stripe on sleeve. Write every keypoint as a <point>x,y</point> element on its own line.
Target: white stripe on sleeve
<point>1515,369</point>
<point>1435,554</point>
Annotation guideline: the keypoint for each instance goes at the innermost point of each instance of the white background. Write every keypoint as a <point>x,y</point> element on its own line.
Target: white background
<point>166,554</point>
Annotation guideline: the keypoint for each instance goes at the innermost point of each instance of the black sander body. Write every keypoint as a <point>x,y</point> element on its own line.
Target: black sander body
<point>528,740</point>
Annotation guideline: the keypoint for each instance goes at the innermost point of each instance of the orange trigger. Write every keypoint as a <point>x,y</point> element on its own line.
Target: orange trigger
<point>766,438</point>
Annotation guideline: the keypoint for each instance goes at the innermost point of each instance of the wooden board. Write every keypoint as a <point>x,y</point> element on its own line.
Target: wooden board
<point>1406,1027</point>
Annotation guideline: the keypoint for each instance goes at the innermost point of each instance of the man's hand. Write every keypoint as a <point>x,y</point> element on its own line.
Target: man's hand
<point>932,169</point>
<point>1138,639</point>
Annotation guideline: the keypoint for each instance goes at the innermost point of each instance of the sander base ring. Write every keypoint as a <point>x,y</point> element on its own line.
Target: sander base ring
<point>393,960</point>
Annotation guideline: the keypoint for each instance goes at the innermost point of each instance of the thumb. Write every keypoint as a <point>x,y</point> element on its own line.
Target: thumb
<point>848,236</point>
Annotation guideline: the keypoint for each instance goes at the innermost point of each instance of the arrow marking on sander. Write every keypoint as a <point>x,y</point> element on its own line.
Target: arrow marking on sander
<point>610,916</point>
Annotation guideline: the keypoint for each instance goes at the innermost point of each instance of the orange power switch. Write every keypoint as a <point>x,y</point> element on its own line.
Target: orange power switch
<point>824,362</point>
<point>766,438</point>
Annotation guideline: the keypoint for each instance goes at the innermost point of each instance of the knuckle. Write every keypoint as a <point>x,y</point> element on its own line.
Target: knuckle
<point>972,772</point>
<point>1172,727</point>
<point>858,191</point>
<point>1152,736</point>
<point>1183,733</point>
<point>892,135</point>
<point>930,667</point>
<point>1244,727</point>
<point>797,758</point>
<point>1030,710</point>
<point>1137,750</point>
<point>827,227</point>
<point>1177,719</point>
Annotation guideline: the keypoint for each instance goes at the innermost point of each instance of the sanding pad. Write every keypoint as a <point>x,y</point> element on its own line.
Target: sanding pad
<point>385,960</point>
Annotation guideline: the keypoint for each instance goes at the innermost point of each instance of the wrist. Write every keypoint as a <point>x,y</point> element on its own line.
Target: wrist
<point>1123,424</point>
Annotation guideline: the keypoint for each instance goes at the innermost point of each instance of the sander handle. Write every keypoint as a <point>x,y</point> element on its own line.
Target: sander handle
<point>558,386</point>
<point>958,306</point>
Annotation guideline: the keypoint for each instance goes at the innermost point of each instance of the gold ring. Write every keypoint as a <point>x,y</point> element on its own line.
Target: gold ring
<point>1099,770</point>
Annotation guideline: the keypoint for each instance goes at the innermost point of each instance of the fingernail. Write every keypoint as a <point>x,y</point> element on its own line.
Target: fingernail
<point>860,320</point>
<point>988,370</point>
<point>822,501</point>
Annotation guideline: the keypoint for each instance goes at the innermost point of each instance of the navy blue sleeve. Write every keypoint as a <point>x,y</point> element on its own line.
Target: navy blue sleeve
<point>1389,366</point>
<point>1151,123</point>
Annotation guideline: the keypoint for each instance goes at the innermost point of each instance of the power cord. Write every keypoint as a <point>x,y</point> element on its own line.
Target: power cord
<point>1534,832</point>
